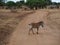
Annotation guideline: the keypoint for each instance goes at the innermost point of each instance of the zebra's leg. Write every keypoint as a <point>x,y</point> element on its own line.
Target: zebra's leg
<point>42,25</point>
<point>31,29</point>
<point>37,30</point>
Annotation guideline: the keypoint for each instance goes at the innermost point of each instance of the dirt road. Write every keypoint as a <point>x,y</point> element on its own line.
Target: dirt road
<point>46,36</point>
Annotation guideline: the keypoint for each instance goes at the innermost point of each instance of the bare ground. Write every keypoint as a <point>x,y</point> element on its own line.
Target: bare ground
<point>8,23</point>
<point>49,35</point>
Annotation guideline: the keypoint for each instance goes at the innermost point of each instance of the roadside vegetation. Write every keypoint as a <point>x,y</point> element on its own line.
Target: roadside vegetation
<point>34,4</point>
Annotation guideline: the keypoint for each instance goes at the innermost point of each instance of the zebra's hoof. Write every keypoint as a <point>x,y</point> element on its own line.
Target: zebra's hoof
<point>37,33</point>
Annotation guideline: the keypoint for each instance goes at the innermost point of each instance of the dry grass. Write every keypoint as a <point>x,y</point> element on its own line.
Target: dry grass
<point>8,22</point>
<point>46,36</point>
<point>54,22</point>
<point>54,18</point>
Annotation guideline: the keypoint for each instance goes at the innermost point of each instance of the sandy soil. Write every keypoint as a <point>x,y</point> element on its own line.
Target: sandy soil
<point>47,35</point>
<point>8,22</point>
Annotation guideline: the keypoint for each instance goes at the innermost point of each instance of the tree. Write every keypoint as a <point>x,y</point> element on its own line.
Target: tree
<point>19,3</point>
<point>32,3</point>
<point>10,4</point>
<point>38,3</point>
<point>2,4</point>
<point>22,2</point>
<point>0,0</point>
<point>48,2</point>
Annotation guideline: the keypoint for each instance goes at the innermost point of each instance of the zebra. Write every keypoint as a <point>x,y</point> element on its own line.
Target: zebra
<point>36,25</point>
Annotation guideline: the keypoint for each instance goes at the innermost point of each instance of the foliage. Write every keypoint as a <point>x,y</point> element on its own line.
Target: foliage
<point>19,3</point>
<point>33,4</point>
<point>10,4</point>
<point>0,0</point>
<point>38,3</point>
<point>2,3</point>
